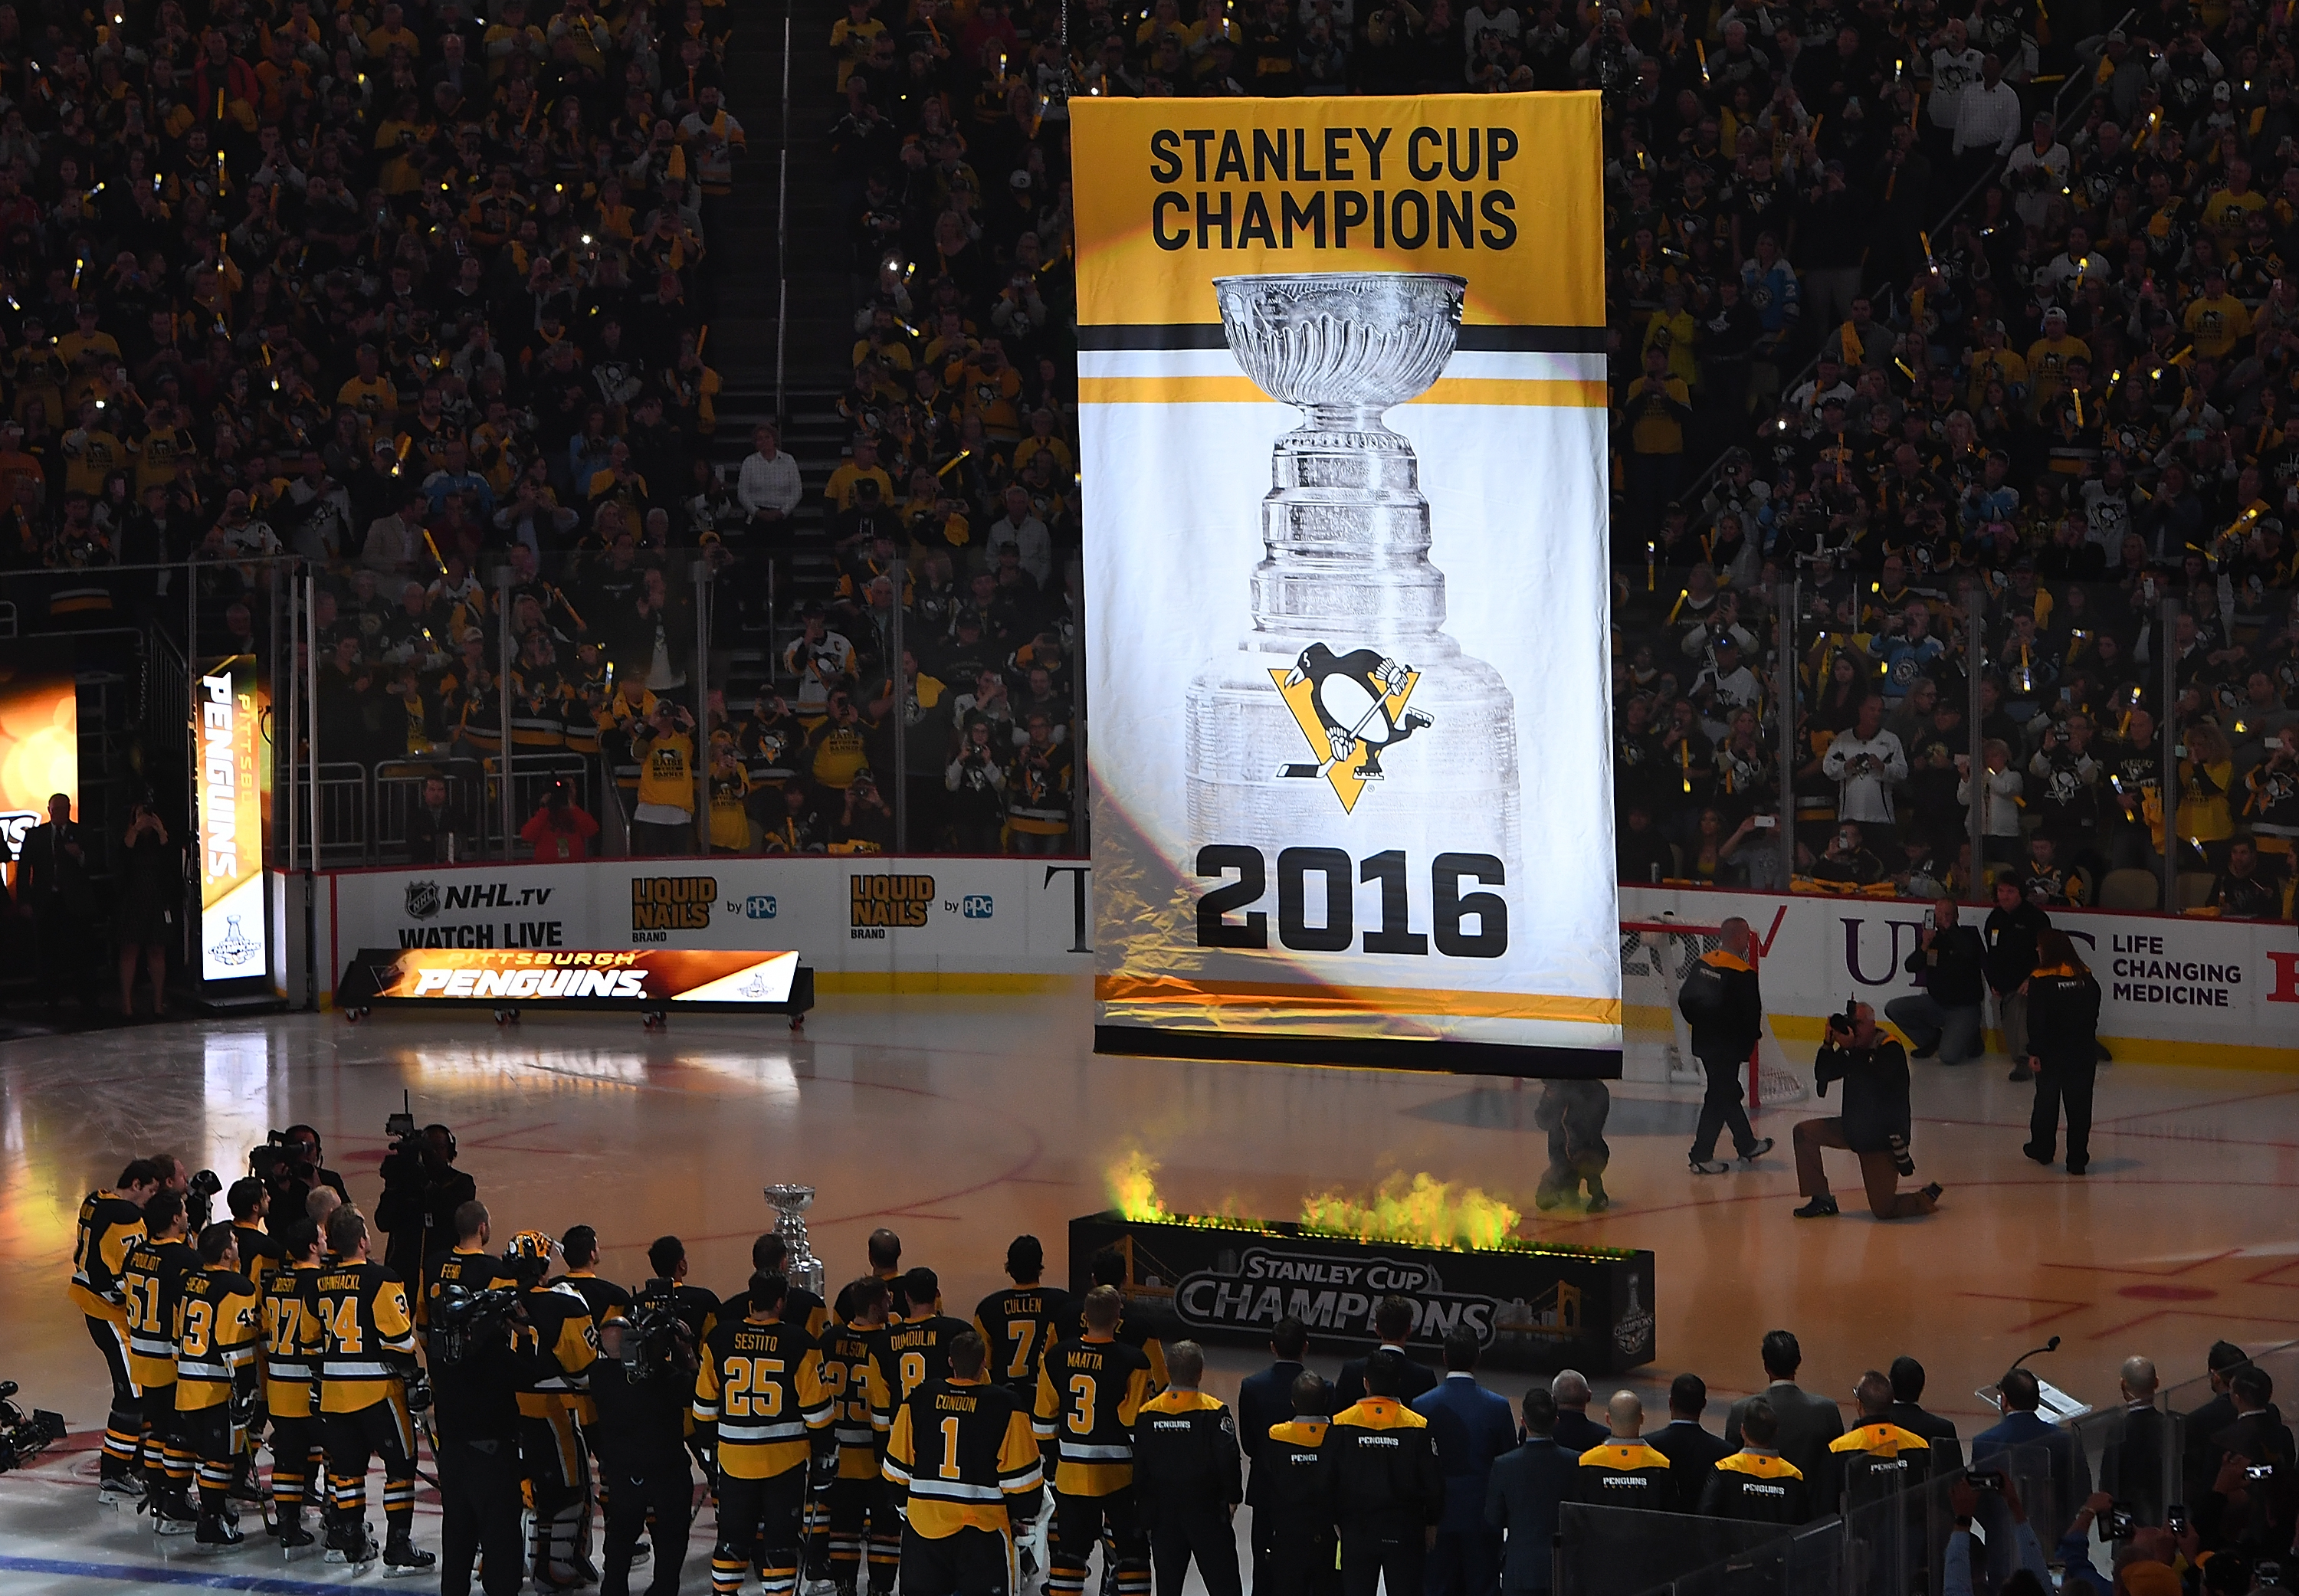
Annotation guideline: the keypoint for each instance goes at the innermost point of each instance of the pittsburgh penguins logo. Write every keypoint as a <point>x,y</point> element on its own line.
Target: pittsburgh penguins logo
<point>1350,707</point>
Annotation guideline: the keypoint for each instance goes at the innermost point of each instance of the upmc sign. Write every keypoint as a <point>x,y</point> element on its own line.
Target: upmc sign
<point>2195,986</point>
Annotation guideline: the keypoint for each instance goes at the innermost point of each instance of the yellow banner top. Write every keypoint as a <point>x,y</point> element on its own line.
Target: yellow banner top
<point>1505,190</point>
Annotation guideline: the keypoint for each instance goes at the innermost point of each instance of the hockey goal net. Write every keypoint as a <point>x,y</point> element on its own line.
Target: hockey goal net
<point>1655,1043</point>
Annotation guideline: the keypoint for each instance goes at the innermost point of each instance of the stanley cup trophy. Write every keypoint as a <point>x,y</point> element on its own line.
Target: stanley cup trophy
<point>801,1267</point>
<point>1348,692</point>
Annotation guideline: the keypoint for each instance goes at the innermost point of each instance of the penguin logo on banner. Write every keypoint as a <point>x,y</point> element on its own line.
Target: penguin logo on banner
<point>1351,708</point>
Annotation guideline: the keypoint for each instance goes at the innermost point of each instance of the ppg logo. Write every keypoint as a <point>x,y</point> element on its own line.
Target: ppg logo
<point>974,905</point>
<point>759,905</point>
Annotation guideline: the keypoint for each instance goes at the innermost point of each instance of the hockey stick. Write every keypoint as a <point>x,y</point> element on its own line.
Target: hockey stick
<point>1317,772</point>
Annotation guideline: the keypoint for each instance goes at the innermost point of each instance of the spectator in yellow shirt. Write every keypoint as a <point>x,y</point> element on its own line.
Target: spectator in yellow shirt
<point>2048,357</point>
<point>851,37</point>
<point>92,452</point>
<point>2224,212</point>
<point>730,797</point>
<point>1994,363</point>
<point>2215,321</point>
<point>1656,409</point>
<point>1672,330</point>
<point>840,489</point>
<point>662,819</point>
<point>85,341</point>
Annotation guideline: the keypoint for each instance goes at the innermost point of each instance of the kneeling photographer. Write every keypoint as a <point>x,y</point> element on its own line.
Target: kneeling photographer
<point>1874,1124</point>
<point>478,1329</point>
<point>422,1190</point>
<point>641,1383</point>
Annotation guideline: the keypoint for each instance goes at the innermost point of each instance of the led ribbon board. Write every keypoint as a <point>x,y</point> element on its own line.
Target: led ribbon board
<point>623,978</point>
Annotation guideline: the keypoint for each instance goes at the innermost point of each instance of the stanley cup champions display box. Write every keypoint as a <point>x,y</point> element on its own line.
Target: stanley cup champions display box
<point>1342,418</point>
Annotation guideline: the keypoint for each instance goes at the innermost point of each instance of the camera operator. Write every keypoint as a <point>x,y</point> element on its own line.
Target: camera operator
<point>641,1386</point>
<point>477,1368</point>
<point>199,1198</point>
<point>422,1188</point>
<point>110,1223</point>
<point>1874,1070</point>
<point>699,1308</point>
<point>290,1348</point>
<point>296,1169</point>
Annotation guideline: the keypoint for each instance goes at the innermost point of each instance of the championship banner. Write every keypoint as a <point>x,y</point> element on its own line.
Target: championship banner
<point>625,979</point>
<point>1342,422</point>
<point>234,792</point>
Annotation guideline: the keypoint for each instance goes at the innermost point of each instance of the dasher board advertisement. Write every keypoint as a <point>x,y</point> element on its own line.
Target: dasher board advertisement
<point>227,706</point>
<point>606,978</point>
<point>1342,412</point>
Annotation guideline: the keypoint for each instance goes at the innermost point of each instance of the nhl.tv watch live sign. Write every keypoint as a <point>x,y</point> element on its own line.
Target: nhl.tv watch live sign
<point>1342,413</point>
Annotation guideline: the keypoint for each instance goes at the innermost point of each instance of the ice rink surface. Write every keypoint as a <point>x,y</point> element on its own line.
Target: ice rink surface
<point>961,1121</point>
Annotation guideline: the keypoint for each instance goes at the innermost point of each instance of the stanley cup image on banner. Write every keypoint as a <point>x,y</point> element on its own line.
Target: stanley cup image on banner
<point>1342,418</point>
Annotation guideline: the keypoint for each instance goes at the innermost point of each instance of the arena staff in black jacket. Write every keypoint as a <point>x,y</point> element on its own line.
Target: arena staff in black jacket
<point>1389,1487</point>
<point>1874,1070</point>
<point>1719,1000</point>
<point>1945,1018</point>
<point>1186,1480</point>
<point>2062,1041</point>
<point>2012,926</point>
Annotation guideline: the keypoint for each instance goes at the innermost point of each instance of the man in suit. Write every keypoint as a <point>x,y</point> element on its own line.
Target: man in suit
<point>1266,1398</point>
<point>1574,1430</point>
<point>1809,1421</point>
<point>1521,1495</point>
<point>2135,1467</point>
<point>2020,1426</point>
<point>52,887</point>
<point>1907,1412</point>
<point>1392,1322</point>
<point>2202,1464</point>
<point>1263,1401</point>
<point>1471,1427</point>
<point>1691,1451</point>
